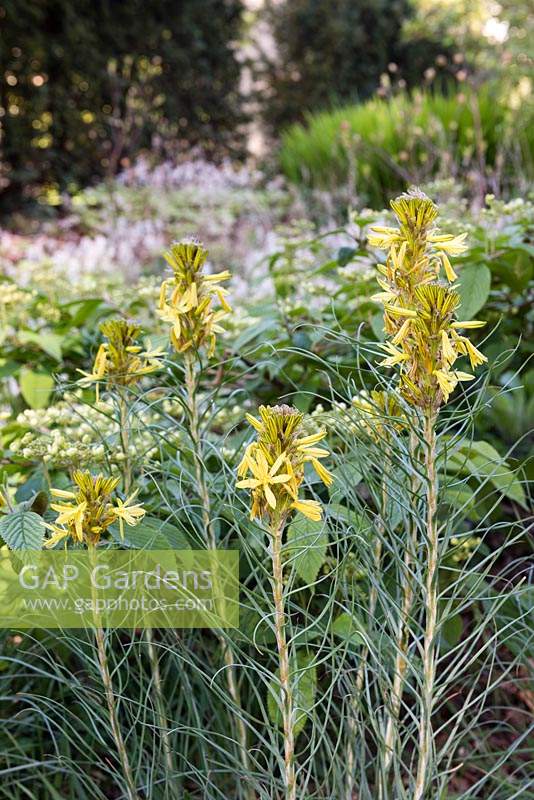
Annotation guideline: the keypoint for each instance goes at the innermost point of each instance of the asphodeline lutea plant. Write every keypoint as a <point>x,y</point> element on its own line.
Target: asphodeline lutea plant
<point>187,298</point>
<point>87,512</point>
<point>425,340</point>
<point>121,360</point>
<point>84,515</point>
<point>420,322</point>
<point>192,301</point>
<point>272,469</point>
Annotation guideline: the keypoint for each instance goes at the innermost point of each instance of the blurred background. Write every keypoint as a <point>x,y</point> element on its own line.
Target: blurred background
<point>353,98</point>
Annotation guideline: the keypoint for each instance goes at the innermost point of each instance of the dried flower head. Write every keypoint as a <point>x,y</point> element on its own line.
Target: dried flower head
<point>87,512</point>
<point>276,463</point>
<point>121,360</point>
<point>419,312</point>
<point>186,299</point>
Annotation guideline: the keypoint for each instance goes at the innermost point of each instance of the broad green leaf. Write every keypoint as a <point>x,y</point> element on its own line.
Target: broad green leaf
<point>35,387</point>
<point>303,680</point>
<point>306,547</point>
<point>151,534</point>
<point>489,463</point>
<point>346,627</point>
<point>346,477</point>
<point>22,530</point>
<point>49,342</point>
<point>474,286</point>
<point>451,632</point>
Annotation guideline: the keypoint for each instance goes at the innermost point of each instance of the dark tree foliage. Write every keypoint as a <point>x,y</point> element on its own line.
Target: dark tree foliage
<point>86,84</point>
<point>335,51</point>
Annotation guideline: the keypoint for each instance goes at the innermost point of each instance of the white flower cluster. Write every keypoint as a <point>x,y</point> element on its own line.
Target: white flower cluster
<point>73,434</point>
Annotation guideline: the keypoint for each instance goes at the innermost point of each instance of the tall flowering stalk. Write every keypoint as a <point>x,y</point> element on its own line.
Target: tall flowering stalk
<point>193,302</point>
<point>424,342</point>
<point>84,515</point>
<point>272,469</point>
<point>120,363</point>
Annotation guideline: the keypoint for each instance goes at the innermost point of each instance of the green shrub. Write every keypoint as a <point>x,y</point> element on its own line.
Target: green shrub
<point>86,85</point>
<point>381,144</point>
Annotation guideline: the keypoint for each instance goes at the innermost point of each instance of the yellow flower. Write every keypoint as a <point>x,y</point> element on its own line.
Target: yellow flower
<point>447,243</point>
<point>186,300</point>
<point>310,508</point>
<point>447,266</point>
<point>127,512</point>
<point>280,446</point>
<point>264,476</point>
<point>91,510</point>
<point>395,356</point>
<point>121,360</point>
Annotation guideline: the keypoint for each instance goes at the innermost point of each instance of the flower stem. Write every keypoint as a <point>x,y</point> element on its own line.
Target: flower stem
<point>211,543</point>
<point>162,716</point>
<point>431,602</point>
<point>125,441</point>
<point>154,663</point>
<point>360,675</point>
<point>403,631</point>
<point>110,698</point>
<point>286,697</point>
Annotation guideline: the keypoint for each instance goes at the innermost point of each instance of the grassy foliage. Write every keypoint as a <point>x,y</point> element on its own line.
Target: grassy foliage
<point>374,148</point>
<point>313,342</point>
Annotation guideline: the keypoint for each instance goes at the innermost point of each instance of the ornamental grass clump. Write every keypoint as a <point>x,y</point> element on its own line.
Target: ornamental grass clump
<point>272,469</point>
<point>424,343</point>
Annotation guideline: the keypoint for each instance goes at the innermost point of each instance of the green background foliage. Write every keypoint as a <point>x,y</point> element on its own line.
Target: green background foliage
<point>112,78</point>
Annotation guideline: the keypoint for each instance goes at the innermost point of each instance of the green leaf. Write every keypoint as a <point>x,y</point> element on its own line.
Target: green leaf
<point>489,463</point>
<point>49,342</point>
<point>474,287</point>
<point>346,627</point>
<point>22,530</point>
<point>151,534</point>
<point>35,387</point>
<point>346,477</point>
<point>306,547</point>
<point>303,681</point>
<point>451,632</point>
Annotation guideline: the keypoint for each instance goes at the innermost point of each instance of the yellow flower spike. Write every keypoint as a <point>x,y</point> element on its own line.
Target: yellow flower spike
<point>275,463</point>
<point>121,360</point>
<point>92,510</point>
<point>419,312</point>
<point>186,299</point>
